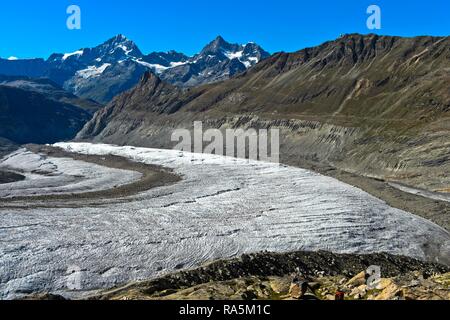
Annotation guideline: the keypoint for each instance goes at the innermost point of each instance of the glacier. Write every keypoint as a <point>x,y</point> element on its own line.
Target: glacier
<point>223,207</point>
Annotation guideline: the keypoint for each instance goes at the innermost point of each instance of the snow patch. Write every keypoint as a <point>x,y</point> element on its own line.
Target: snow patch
<point>76,53</point>
<point>124,49</point>
<point>176,64</point>
<point>92,71</point>
<point>247,64</point>
<point>155,67</point>
<point>233,55</point>
<point>246,61</point>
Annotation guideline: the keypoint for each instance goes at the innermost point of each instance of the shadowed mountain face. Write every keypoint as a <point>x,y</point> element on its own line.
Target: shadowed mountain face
<point>31,117</point>
<point>374,105</point>
<point>50,90</point>
<point>115,66</point>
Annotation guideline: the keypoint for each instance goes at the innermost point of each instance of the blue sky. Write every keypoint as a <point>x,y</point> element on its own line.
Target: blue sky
<point>38,28</point>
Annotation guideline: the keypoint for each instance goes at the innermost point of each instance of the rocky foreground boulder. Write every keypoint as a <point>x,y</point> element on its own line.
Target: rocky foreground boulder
<point>412,286</point>
<point>270,276</point>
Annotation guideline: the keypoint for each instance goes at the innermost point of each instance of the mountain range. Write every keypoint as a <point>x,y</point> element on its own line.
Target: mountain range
<point>373,105</point>
<point>102,72</point>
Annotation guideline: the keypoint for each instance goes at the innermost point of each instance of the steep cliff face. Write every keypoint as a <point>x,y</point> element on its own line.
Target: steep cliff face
<point>373,105</point>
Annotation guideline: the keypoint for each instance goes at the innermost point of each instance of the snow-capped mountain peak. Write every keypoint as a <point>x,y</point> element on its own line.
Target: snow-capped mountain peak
<point>113,50</point>
<point>116,49</point>
<point>248,54</point>
<point>218,45</point>
<point>217,61</point>
<point>120,42</point>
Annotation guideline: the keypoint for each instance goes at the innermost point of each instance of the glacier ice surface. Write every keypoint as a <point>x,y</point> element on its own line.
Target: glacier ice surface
<point>223,207</point>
